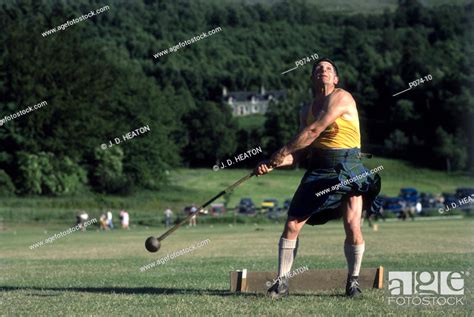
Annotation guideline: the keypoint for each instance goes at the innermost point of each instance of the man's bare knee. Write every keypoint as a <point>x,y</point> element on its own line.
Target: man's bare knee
<point>353,223</point>
<point>293,228</point>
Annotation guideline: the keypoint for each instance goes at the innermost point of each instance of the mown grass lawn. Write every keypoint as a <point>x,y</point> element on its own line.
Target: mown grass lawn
<point>97,273</point>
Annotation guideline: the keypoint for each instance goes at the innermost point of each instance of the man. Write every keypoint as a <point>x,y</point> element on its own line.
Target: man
<point>168,215</point>
<point>192,220</point>
<point>124,219</point>
<point>103,222</point>
<point>110,223</point>
<point>329,136</point>
<point>411,211</point>
<point>418,207</point>
<point>403,210</point>
<point>81,219</point>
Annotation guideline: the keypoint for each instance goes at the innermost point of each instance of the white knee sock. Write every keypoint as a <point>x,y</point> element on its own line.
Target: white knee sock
<point>354,254</point>
<point>286,254</point>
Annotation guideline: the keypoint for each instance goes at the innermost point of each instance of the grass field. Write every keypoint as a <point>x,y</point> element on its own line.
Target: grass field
<point>251,121</point>
<point>97,273</point>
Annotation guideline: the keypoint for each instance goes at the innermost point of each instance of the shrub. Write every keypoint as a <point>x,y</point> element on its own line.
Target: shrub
<point>107,175</point>
<point>6,185</point>
<point>43,173</point>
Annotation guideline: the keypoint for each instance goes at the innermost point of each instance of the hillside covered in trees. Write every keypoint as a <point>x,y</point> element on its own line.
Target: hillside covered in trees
<point>100,80</point>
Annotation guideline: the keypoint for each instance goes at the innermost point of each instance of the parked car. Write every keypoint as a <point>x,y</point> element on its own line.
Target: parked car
<point>246,206</point>
<point>427,200</point>
<point>464,192</point>
<point>410,195</point>
<point>464,197</point>
<point>276,213</point>
<point>269,205</point>
<point>449,198</point>
<point>187,210</point>
<point>217,209</point>
<point>392,204</point>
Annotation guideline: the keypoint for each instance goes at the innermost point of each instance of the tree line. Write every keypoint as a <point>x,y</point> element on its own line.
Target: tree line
<point>101,81</point>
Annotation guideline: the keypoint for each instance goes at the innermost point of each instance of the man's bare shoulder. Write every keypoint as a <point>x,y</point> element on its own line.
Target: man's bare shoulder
<point>341,98</point>
<point>340,94</point>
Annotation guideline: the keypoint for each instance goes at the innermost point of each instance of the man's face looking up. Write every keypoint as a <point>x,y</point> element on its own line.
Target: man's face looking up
<point>324,73</point>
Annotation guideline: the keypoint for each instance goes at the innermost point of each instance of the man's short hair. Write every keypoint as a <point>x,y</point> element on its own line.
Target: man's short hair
<point>325,59</point>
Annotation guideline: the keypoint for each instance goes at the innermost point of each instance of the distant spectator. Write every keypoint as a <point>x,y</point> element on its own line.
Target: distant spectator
<point>373,217</point>
<point>168,215</point>
<point>440,199</point>
<point>110,224</point>
<point>381,214</point>
<point>403,210</point>
<point>81,219</point>
<point>103,222</point>
<point>418,208</point>
<point>367,217</point>
<point>192,221</point>
<point>411,211</point>
<point>124,219</point>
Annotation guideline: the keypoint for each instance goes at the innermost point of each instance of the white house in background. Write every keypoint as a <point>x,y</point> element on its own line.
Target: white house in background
<point>249,102</point>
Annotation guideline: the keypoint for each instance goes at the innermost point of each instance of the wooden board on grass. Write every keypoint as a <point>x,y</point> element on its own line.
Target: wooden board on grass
<point>307,281</point>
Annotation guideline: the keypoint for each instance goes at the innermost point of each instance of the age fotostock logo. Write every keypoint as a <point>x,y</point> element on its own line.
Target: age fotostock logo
<point>426,288</point>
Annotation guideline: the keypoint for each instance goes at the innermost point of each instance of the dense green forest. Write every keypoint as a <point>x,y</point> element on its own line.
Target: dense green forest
<point>101,81</point>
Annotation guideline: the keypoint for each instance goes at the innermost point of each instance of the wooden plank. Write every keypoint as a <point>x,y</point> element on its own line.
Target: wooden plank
<point>234,276</point>
<point>243,284</point>
<point>380,278</point>
<point>238,281</point>
<point>307,281</point>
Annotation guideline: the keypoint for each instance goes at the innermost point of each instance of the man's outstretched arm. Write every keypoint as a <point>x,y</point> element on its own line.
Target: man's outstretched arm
<point>292,158</point>
<point>265,167</point>
<point>336,108</point>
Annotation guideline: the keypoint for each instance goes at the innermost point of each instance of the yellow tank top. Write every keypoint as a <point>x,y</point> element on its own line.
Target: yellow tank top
<point>342,134</point>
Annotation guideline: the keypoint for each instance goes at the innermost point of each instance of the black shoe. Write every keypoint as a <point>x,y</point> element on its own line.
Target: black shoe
<point>352,287</point>
<point>279,289</point>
